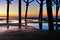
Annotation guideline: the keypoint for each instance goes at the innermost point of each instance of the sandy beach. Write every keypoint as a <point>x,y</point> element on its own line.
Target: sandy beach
<point>29,34</point>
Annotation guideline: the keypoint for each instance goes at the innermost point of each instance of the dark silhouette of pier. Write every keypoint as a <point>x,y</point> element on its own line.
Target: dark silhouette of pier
<point>41,3</point>
<point>19,13</point>
<point>57,10</point>
<point>8,2</point>
<point>32,34</point>
<point>40,13</point>
<point>49,12</point>
<point>27,4</point>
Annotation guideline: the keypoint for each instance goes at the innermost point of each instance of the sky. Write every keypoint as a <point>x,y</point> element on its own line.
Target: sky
<point>33,9</point>
<point>13,8</point>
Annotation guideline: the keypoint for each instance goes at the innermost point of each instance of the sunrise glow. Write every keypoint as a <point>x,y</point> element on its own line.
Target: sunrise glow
<point>32,11</point>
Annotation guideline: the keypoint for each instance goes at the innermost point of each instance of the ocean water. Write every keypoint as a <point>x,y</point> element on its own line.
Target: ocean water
<point>30,23</point>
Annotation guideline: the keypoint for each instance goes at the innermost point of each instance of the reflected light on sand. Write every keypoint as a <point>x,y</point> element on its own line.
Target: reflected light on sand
<point>35,20</point>
<point>22,21</point>
<point>2,21</point>
<point>2,30</point>
<point>14,21</point>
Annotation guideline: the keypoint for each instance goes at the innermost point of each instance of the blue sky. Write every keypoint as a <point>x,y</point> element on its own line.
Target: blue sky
<point>33,8</point>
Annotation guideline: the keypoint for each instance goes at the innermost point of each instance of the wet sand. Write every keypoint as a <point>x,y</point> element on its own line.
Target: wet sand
<point>14,33</point>
<point>29,34</point>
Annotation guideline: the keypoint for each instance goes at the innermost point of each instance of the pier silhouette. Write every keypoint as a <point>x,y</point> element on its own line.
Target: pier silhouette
<point>49,6</point>
<point>31,28</point>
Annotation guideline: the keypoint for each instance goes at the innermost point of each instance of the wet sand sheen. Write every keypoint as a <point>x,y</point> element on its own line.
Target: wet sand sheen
<point>27,34</point>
